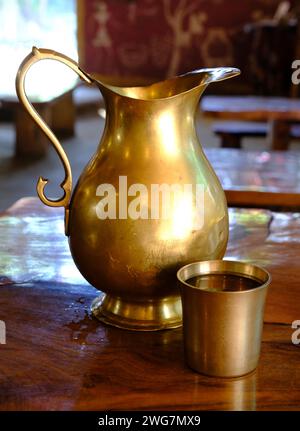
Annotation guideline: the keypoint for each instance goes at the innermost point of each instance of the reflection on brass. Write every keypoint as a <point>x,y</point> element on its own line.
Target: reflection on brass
<point>150,138</point>
<point>223,308</point>
<point>235,394</point>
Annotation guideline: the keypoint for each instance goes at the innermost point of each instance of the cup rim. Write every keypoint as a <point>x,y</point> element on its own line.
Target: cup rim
<point>262,286</point>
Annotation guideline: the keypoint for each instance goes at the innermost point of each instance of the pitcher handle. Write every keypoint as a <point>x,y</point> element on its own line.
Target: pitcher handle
<point>35,56</point>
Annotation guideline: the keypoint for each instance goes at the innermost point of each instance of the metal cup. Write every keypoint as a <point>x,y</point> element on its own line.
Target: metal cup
<point>223,308</point>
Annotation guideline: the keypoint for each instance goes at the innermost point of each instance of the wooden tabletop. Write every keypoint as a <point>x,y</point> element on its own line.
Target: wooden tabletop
<point>58,357</point>
<point>258,178</point>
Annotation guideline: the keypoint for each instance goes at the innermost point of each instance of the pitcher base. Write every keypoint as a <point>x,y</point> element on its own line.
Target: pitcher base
<point>153,315</point>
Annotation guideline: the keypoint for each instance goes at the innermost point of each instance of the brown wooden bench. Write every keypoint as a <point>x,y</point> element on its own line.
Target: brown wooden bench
<point>232,132</point>
<point>278,112</point>
<point>59,112</point>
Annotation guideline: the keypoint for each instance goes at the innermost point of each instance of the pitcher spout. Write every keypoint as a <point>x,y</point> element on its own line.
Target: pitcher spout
<point>209,75</point>
<point>173,87</point>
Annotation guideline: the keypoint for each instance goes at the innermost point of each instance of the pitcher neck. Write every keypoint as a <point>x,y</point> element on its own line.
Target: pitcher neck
<point>120,107</point>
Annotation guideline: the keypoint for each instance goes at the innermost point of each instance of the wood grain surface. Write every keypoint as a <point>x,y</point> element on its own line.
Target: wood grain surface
<point>57,357</point>
<point>261,179</point>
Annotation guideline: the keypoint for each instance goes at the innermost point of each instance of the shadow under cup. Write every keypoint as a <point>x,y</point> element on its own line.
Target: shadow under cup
<point>223,309</point>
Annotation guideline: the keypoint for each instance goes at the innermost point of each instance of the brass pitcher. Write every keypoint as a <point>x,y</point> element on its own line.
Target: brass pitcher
<point>149,143</point>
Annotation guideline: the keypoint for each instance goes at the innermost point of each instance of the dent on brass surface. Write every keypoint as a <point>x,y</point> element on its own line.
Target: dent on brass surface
<point>57,357</point>
<point>149,137</point>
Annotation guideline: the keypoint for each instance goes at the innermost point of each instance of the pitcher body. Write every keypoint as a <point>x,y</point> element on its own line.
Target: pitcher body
<point>147,203</point>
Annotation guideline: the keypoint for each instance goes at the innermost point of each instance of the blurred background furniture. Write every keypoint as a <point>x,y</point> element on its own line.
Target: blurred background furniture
<point>24,24</point>
<point>231,133</point>
<point>278,112</point>
<point>275,45</point>
<point>56,109</point>
<point>258,179</point>
<point>139,42</point>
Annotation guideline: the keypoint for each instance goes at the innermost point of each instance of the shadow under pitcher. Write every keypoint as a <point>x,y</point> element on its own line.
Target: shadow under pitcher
<point>147,203</point>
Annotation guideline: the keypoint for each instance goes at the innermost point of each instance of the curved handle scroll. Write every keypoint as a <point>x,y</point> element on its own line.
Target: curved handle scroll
<point>35,56</point>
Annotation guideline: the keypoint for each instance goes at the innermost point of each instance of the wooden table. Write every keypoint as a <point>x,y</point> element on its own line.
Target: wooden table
<point>277,111</point>
<point>58,357</point>
<point>263,179</point>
